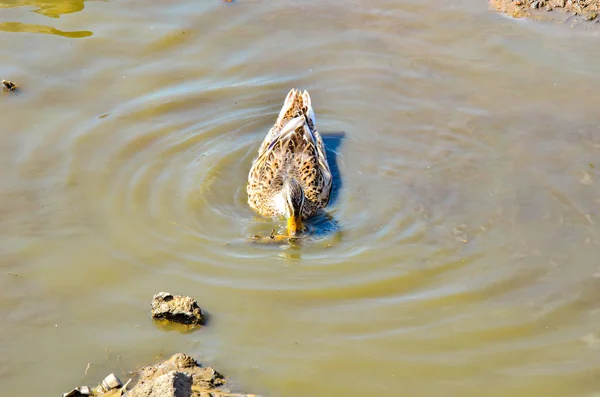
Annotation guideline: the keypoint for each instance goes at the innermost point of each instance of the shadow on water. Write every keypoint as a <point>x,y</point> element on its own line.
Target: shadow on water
<point>324,224</point>
<point>332,141</point>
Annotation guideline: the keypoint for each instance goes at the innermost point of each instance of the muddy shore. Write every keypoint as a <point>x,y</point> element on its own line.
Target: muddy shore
<point>577,11</point>
<point>178,376</point>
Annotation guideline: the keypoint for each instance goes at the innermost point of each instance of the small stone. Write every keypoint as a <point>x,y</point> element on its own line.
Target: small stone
<point>180,309</point>
<point>9,85</point>
<point>535,4</point>
<point>110,382</point>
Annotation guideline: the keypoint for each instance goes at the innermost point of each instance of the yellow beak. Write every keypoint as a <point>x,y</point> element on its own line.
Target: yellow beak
<point>294,225</point>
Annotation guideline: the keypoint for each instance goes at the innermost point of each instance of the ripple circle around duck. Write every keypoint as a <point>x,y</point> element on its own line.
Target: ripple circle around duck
<point>176,163</point>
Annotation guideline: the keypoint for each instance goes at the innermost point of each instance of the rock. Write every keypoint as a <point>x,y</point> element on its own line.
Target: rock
<point>579,12</point>
<point>180,309</point>
<point>181,374</point>
<point>109,383</point>
<point>171,384</point>
<point>9,85</point>
<point>203,377</point>
<point>178,376</point>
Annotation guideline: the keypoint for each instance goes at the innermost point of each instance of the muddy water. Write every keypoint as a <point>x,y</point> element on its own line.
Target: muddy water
<point>459,256</point>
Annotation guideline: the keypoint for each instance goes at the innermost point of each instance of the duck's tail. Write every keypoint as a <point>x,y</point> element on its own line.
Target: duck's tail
<point>297,104</point>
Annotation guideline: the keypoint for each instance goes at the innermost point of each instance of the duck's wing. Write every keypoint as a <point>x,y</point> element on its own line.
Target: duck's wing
<point>295,104</point>
<point>272,161</point>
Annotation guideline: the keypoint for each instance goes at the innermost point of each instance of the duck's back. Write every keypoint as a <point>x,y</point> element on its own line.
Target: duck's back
<point>293,148</point>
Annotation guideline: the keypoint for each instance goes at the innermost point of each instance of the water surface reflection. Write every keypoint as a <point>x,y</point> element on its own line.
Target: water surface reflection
<point>458,255</point>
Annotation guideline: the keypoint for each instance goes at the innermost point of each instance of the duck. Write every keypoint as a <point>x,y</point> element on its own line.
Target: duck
<point>291,177</point>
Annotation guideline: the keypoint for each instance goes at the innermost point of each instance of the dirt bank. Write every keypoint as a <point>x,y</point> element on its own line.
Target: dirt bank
<point>179,376</point>
<point>578,10</point>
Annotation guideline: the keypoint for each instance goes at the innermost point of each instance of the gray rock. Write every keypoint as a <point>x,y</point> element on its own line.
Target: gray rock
<point>202,377</point>
<point>180,309</point>
<point>171,384</point>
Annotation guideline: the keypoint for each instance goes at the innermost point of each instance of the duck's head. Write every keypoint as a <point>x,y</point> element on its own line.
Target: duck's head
<point>294,203</point>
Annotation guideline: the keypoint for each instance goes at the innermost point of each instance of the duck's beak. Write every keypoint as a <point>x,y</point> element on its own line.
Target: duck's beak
<point>294,225</point>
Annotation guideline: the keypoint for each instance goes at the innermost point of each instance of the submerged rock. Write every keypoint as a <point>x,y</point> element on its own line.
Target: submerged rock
<point>177,308</point>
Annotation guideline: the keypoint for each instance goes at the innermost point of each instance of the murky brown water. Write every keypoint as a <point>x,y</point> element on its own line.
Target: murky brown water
<point>461,257</point>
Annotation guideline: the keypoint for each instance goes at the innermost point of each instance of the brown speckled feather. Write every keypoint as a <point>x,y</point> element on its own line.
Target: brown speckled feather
<point>293,148</point>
